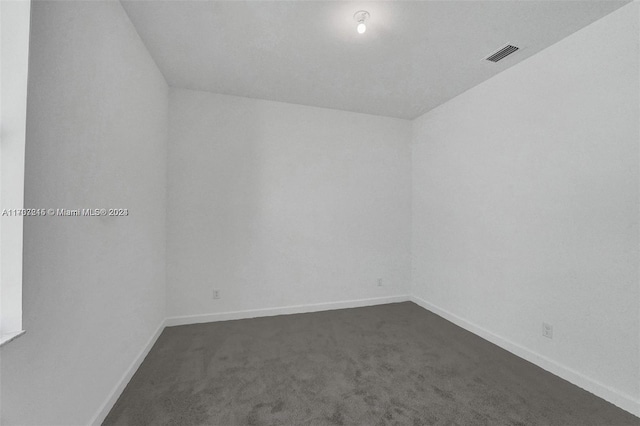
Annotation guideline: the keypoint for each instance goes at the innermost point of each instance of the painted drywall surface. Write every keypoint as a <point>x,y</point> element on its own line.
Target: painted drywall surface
<point>525,203</point>
<point>94,289</point>
<point>14,51</point>
<point>414,56</point>
<point>277,204</point>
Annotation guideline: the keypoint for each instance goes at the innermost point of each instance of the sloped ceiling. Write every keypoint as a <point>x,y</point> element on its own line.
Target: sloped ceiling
<point>414,56</point>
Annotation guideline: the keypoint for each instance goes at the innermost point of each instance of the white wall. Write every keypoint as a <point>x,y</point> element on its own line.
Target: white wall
<point>525,207</point>
<point>94,288</point>
<point>277,204</point>
<point>14,58</point>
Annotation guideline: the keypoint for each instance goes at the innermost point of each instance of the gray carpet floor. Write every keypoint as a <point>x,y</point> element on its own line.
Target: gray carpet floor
<point>395,364</point>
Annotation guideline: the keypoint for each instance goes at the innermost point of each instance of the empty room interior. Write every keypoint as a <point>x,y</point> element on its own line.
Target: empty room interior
<point>320,213</point>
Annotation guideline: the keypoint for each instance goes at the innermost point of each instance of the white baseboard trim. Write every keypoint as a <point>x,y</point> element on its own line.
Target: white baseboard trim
<point>622,400</point>
<point>115,393</point>
<point>283,310</point>
<point>126,377</point>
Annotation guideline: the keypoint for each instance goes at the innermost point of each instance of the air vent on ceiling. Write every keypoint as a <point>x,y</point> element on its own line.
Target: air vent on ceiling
<point>502,53</point>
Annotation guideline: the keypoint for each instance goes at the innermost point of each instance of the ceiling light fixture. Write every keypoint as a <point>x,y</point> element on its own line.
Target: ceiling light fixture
<point>360,17</point>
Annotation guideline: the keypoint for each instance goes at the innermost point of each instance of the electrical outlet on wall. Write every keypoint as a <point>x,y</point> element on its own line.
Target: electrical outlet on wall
<point>379,282</point>
<point>547,330</point>
<point>216,293</point>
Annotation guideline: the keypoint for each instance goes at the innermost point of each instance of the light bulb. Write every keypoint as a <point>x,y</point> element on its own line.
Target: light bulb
<point>361,17</point>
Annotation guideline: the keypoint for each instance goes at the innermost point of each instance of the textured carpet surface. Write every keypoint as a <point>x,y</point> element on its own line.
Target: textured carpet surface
<point>395,364</point>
